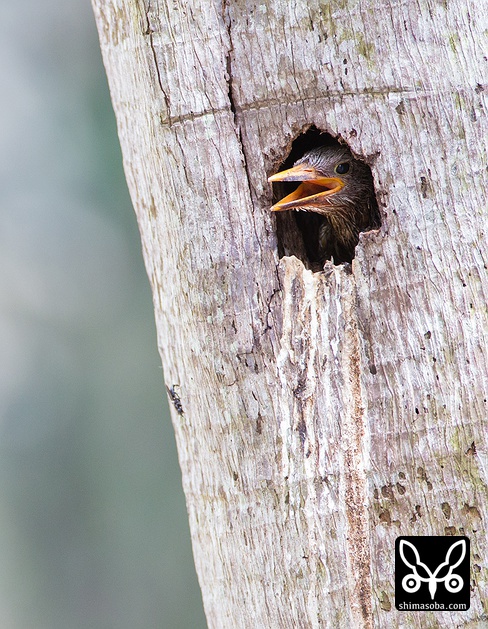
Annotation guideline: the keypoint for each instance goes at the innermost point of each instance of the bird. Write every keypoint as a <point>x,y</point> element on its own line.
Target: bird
<point>339,188</point>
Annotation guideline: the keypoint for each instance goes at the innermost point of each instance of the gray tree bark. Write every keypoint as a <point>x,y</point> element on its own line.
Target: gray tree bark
<point>318,416</point>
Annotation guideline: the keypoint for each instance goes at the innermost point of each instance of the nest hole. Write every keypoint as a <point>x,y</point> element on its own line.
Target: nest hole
<point>297,232</point>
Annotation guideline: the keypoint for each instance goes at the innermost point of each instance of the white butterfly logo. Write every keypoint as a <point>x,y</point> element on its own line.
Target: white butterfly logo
<point>412,581</point>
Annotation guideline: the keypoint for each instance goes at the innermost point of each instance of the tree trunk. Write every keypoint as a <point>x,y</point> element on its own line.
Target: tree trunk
<point>318,415</point>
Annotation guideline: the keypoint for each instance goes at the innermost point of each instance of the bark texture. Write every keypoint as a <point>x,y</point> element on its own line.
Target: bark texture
<point>318,415</point>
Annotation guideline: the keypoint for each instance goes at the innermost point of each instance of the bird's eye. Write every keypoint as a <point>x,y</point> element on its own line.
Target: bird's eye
<point>342,168</point>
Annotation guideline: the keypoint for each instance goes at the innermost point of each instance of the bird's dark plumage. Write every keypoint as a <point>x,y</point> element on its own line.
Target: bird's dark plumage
<point>340,189</point>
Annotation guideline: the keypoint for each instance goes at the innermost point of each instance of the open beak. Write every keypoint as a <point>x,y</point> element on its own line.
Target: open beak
<point>312,192</point>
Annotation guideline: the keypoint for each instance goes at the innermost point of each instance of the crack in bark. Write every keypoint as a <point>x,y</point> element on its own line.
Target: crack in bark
<point>275,102</point>
<point>149,32</point>
<point>355,481</point>
<point>228,64</point>
<point>230,91</point>
<point>275,292</point>
<point>234,109</point>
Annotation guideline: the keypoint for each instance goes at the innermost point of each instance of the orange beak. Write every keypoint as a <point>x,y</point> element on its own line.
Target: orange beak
<point>311,192</point>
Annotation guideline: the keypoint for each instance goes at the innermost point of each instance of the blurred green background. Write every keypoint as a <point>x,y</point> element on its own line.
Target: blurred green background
<point>93,526</point>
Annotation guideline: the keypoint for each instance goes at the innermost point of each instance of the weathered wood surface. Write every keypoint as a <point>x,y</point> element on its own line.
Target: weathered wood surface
<point>324,414</point>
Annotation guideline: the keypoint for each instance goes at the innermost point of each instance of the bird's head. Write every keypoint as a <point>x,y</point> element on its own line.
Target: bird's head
<point>330,178</point>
